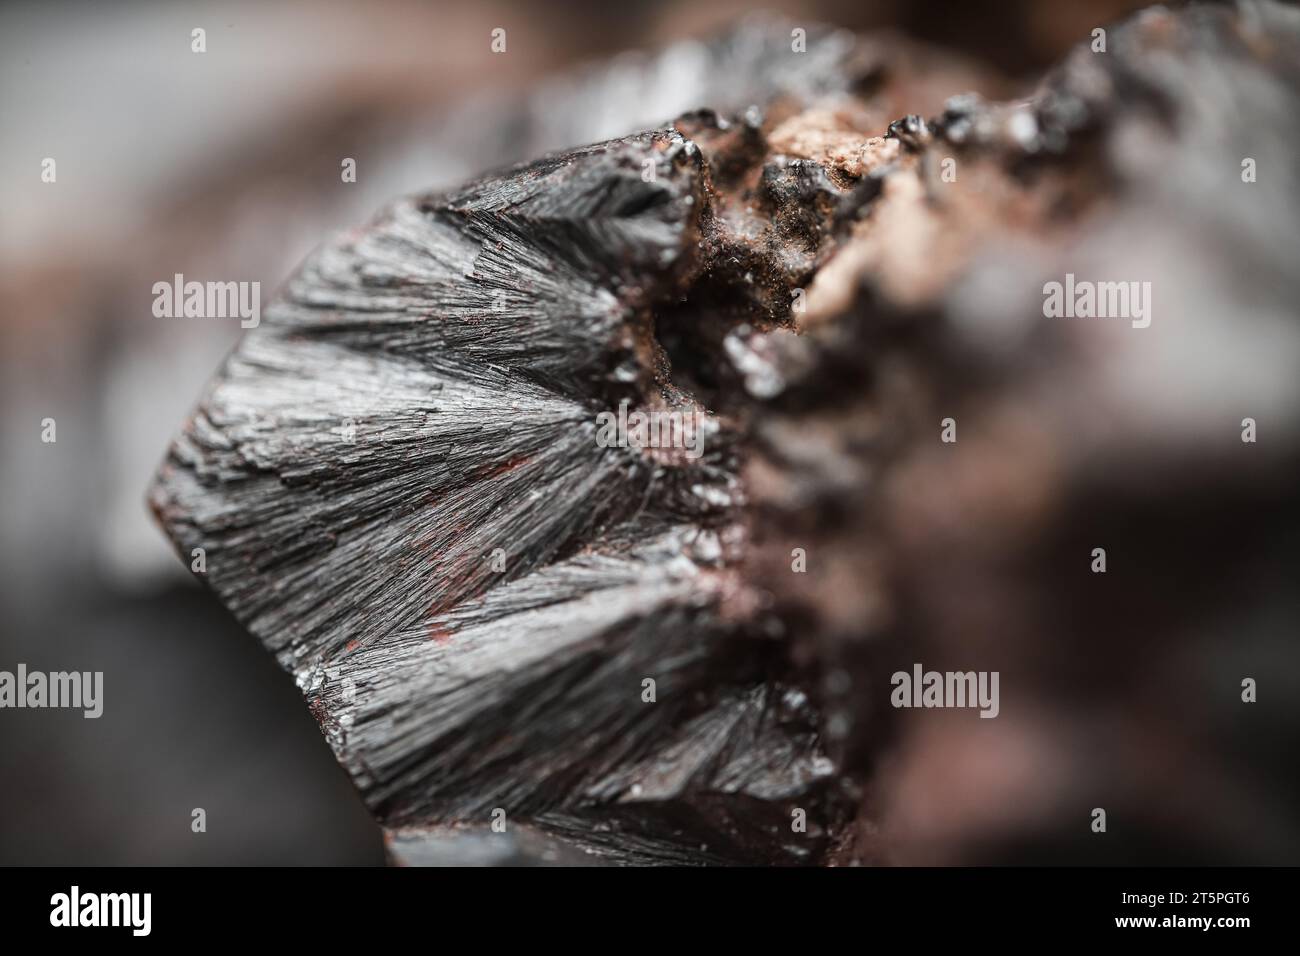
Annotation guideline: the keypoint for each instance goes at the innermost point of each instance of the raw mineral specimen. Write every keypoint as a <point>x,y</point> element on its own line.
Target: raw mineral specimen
<point>525,644</point>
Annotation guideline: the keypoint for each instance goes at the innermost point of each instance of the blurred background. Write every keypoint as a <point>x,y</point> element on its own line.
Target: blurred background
<point>226,166</point>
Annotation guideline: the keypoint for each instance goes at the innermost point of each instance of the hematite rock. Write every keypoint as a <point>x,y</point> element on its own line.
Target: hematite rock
<point>399,487</point>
